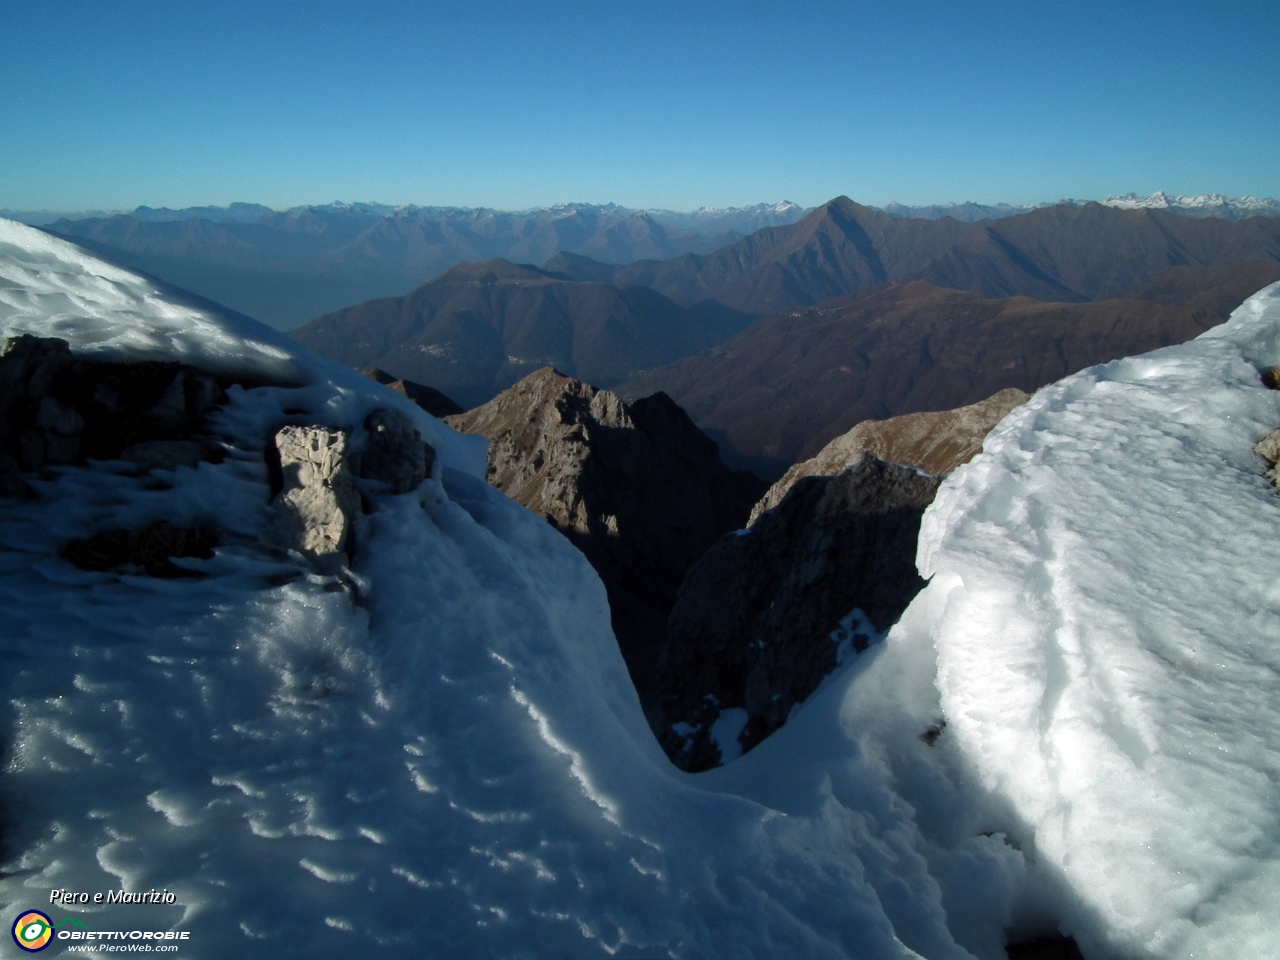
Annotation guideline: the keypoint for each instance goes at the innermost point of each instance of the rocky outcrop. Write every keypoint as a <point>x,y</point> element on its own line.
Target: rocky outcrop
<point>149,550</point>
<point>637,487</point>
<point>58,409</point>
<point>315,471</point>
<point>759,620</point>
<point>1268,448</point>
<point>394,455</point>
<point>934,442</point>
<point>318,498</point>
<point>429,399</point>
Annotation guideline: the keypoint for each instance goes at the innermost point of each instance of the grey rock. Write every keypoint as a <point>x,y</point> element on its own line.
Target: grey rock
<point>318,499</point>
<point>58,409</point>
<point>394,453</point>
<point>1268,448</point>
<point>28,366</point>
<point>55,417</point>
<point>752,625</point>
<point>636,487</point>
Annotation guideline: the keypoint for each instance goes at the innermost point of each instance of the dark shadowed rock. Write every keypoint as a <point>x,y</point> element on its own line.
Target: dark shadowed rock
<point>58,409</point>
<point>394,453</point>
<point>934,442</point>
<point>429,399</point>
<point>637,487</point>
<point>752,627</point>
<point>149,550</point>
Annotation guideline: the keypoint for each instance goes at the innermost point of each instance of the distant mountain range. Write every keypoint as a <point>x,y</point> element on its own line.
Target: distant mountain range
<point>1205,205</point>
<point>286,268</point>
<point>480,327</point>
<point>1070,254</point>
<point>789,383</point>
<point>952,313</point>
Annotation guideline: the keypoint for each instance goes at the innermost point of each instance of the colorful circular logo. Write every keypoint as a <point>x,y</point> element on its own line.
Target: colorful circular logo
<point>32,931</point>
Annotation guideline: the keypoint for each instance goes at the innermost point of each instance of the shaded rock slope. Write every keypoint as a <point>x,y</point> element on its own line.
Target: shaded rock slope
<point>635,486</point>
<point>936,442</point>
<point>770,611</point>
<point>428,398</point>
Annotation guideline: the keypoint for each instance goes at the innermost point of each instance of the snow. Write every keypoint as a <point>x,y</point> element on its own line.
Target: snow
<point>1203,205</point>
<point>442,755</point>
<point>1108,643</point>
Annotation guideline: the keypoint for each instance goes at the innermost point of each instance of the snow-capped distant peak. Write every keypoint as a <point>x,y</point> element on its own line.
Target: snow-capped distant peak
<point>1202,205</point>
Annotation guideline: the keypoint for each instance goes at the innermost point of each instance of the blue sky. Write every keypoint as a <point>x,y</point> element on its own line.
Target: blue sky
<point>646,104</point>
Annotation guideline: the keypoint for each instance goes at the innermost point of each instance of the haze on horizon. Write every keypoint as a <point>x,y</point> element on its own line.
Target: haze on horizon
<point>647,105</point>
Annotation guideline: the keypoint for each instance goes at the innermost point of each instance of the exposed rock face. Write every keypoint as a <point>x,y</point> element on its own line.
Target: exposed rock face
<point>752,626</point>
<point>637,487</point>
<point>318,499</point>
<point>394,454</point>
<point>429,399</point>
<point>1268,448</point>
<point>934,442</point>
<point>150,549</point>
<point>58,409</point>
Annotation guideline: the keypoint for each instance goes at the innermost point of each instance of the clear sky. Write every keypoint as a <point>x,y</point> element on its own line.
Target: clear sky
<point>647,104</point>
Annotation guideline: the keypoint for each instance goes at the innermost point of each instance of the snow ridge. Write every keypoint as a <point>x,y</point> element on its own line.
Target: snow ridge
<point>1109,639</point>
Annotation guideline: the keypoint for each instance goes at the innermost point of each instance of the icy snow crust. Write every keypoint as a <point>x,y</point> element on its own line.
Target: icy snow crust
<point>442,757</point>
<point>1107,576</point>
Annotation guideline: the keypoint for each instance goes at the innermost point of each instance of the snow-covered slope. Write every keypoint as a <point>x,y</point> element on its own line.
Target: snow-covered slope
<point>1107,576</point>
<point>441,757</point>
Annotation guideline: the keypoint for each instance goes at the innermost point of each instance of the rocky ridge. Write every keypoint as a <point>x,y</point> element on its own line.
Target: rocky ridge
<point>767,613</point>
<point>936,442</point>
<point>635,486</point>
<point>428,398</point>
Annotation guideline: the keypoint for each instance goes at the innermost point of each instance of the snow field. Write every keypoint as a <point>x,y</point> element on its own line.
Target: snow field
<point>1108,643</point>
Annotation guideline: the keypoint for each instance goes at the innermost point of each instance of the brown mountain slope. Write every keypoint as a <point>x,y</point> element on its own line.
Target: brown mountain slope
<point>479,327</point>
<point>935,441</point>
<point>430,400</point>
<point>1056,254</point>
<point>636,487</point>
<point>794,380</point>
